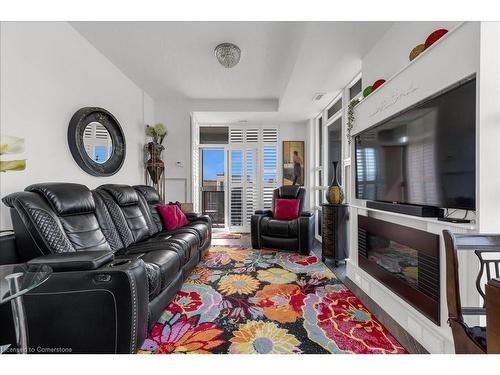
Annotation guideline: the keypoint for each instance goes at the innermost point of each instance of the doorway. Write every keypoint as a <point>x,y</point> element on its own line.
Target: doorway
<point>234,173</point>
<point>213,184</point>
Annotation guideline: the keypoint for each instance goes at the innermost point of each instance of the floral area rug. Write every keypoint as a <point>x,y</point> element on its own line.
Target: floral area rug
<point>226,236</point>
<point>262,301</point>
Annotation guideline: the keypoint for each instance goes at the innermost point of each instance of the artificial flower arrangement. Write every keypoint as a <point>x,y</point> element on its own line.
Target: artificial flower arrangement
<point>11,145</point>
<point>152,151</point>
<point>158,132</point>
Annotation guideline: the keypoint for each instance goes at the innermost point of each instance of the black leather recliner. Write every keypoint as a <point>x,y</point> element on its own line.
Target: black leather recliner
<point>115,269</point>
<point>295,235</point>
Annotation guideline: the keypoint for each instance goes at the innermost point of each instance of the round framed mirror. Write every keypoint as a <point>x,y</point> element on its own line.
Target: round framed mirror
<point>96,141</point>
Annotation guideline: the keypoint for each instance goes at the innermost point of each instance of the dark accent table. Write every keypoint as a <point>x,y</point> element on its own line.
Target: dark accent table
<point>334,231</point>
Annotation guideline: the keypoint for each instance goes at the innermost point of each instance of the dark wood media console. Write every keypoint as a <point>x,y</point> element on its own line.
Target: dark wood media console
<point>404,259</point>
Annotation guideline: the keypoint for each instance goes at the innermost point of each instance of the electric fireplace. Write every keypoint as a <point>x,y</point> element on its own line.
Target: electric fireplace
<point>406,260</point>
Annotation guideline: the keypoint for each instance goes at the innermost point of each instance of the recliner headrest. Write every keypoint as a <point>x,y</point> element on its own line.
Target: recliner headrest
<point>289,192</point>
<point>124,195</point>
<point>149,193</point>
<point>65,198</point>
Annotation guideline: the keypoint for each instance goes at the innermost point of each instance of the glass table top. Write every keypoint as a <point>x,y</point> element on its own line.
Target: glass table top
<point>30,276</point>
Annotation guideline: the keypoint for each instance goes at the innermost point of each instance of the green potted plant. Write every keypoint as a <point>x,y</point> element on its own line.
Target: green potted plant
<point>350,117</point>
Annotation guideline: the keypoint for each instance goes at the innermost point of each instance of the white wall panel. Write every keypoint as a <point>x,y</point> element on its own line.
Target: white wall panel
<point>47,72</point>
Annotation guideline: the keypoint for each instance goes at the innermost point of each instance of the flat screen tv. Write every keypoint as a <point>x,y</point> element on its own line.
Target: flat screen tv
<point>425,155</point>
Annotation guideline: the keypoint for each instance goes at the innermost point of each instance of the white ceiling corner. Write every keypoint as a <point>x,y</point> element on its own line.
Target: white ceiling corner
<point>284,62</point>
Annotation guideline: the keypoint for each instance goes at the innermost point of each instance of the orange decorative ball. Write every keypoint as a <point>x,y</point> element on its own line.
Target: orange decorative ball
<point>434,37</point>
<point>416,51</point>
<point>378,83</point>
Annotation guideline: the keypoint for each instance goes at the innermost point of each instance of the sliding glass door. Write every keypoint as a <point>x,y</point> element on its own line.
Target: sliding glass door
<point>235,173</point>
<point>213,184</point>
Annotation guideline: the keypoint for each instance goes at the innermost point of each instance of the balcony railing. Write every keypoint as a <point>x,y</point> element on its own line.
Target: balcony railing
<point>213,205</point>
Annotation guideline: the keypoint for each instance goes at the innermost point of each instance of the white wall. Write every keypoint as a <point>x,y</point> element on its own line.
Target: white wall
<point>176,115</point>
<point>48,71</point>
<point>489,128</point>
<point>390,53</point>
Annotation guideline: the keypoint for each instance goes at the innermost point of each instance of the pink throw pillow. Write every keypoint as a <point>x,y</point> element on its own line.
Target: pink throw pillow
<point>172,216</point>
<point>286,209</point>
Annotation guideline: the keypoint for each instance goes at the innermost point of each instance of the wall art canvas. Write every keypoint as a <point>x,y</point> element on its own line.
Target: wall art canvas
<point>293,163</point>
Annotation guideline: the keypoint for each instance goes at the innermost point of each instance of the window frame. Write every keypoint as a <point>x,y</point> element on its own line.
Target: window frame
<point>316,187</point>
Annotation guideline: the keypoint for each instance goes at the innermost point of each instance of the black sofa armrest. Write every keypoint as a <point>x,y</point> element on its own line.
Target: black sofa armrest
<point>75,261</point>
<point>255,226</point>
<point>192,215</point>
<point>264,212</point>
<point>196,216</point>
<point>8,251</point>
<point>108,304</point>
<point>306,232</point>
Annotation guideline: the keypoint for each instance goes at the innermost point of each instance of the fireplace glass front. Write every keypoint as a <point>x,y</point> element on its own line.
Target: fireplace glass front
<point>400,260</point>
<point>404,259</point>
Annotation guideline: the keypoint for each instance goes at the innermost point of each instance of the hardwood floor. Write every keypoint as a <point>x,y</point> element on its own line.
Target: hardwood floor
<point>392,326</point>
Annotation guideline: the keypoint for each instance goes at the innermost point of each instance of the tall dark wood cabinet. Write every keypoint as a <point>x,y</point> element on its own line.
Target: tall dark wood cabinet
<point>334,231</point>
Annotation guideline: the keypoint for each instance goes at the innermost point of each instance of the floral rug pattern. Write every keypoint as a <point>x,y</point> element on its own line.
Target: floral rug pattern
<point>263,301</point>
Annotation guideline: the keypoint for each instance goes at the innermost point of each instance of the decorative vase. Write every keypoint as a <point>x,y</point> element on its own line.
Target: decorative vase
<point>155,165</point>
<point>335,194</point>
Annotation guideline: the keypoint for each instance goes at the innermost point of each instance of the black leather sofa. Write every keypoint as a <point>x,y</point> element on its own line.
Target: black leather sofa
<point>294,235</point>
<point>115,268</point>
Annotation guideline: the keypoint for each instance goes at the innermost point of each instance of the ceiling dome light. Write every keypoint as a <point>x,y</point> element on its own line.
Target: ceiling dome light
<point>228,54</point>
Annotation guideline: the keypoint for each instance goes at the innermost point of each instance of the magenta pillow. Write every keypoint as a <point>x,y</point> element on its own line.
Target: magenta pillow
<point>286,209</point>
<point>172,216</point>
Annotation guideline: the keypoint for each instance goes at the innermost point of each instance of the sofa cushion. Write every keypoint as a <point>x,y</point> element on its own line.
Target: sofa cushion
<point>136,222</point>
<point>124,195</point>
<point>172,217</point>
<point>286,209</point>
<point>189,242</point>
<point>65,198</point>
<point>84,232</point>
<point>279,228</point>
<point>74,210</point>
<point>169,263</point>
<point>289,192</point>
<point>126,212</point>
<point>200,229</point>
<point>181,248</point>
<point>152,199</point>
<point>107,224</point>
<point>149,193</point>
